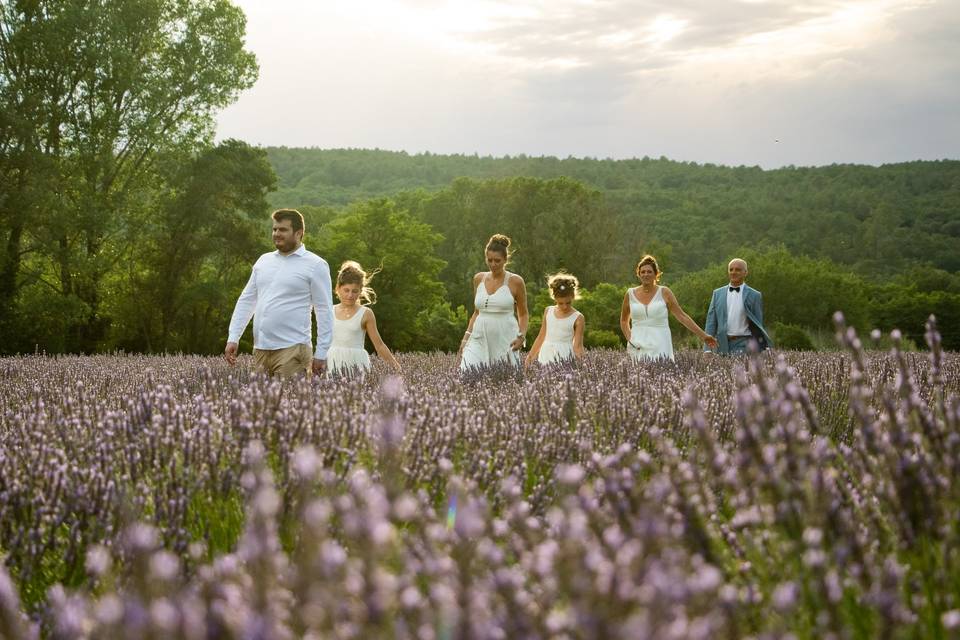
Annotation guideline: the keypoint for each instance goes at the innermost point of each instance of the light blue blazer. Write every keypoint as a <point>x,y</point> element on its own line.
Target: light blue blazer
<point>717,317</point>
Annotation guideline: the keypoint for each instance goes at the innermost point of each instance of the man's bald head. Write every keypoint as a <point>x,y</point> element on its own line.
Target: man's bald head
<point>737,270</point>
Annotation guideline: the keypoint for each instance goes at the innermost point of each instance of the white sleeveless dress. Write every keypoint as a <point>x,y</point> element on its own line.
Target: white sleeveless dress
<point>650,330</point>
<point>346,355</point>
<point>558,343</point>
<point>494,329</point>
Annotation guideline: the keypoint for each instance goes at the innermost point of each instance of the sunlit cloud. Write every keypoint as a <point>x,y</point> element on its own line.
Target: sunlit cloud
<point>821,34</point>
<point>714,80</point>
<point>663,29</point>
<point>648,34</point>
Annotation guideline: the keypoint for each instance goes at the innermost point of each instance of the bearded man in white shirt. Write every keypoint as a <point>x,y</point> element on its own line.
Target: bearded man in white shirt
<point>735,316</point>
<point>284,286</point>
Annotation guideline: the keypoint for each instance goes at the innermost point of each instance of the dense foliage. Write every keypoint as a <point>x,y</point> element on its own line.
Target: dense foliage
<point>873,220</point>
<point>815,494</point>
<point>116,211</point>
<point>878,243</point>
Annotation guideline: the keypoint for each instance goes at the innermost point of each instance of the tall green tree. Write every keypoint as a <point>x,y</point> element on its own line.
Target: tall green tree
<point>94,92</point>
<point>554,224</point>
<point>195,250</point>
<point>380,235</point>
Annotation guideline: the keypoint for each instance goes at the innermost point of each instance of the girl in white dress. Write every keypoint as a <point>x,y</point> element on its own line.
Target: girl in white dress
<point>498,326</point>
<point>561,334</point>
<point>644,316</point>
<point>351,322</point>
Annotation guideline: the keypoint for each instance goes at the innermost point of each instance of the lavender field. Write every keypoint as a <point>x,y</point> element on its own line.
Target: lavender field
<point>806,495</point>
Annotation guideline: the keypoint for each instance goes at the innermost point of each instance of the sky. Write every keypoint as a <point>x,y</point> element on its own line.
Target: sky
<point>733,82</point>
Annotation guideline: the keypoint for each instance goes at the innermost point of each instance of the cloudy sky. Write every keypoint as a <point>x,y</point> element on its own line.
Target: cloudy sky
<point>755,82</point>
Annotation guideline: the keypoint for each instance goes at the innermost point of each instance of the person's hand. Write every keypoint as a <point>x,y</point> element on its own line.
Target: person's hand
<point>318,367</point>
<point>230,353</point>
<point>711,342</point>
<point>517,343</point>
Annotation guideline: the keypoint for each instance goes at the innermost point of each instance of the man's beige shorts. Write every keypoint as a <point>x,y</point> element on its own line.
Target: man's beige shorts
<point>284,362</point>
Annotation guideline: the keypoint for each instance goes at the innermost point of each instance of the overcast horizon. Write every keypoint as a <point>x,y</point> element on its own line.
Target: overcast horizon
<point>745,82</point>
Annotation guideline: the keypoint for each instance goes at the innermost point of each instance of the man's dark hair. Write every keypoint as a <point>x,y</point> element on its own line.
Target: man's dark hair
<point>294,216</point>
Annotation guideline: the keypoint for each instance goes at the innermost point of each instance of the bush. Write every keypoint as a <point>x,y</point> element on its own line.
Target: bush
<point>601,338</point>
<point>791,337</point>
<point>440,328</point>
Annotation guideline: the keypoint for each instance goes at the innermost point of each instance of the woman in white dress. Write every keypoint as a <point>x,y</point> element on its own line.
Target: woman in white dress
<point>561,334</point>
<point>644,316</point>
<point>351,322</point>
<point>498,326</point>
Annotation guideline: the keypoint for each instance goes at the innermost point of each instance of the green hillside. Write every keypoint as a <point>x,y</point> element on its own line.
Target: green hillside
<point>882,244</point>
<point>873,219</point>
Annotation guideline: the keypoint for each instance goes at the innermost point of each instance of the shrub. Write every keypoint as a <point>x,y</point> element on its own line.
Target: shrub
<point>791,337</point>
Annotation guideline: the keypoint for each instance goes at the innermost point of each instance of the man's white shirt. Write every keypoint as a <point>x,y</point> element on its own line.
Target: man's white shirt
<point>736,314</point>
<point>279,295</point>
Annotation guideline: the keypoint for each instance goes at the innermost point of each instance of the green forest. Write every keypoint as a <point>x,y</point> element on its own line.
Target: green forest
<point>870,218</point>
<point>881,244</point>
<point>125,226</point>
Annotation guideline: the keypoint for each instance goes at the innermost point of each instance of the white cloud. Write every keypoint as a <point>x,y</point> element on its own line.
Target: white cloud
<point>865,81</point>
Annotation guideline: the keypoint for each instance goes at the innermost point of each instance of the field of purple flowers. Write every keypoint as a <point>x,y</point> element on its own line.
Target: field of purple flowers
<point>807,495</point>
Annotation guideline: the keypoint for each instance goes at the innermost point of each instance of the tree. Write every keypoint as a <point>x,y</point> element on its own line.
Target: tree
<point>379,235</point>
<point>95,91</point>
<point>195,250</point>
<point>907,309</point>
<point>440,327</point>
<point>554,224</point>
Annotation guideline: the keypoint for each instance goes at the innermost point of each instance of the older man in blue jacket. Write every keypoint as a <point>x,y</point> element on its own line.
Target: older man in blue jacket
<point>735,316</point>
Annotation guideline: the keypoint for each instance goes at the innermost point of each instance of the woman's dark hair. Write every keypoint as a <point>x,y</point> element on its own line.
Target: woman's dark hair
<point>650,260</point>
<point>499,243</point>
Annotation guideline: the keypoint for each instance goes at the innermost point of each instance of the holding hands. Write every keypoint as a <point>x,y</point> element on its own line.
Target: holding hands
<point>318,367</point>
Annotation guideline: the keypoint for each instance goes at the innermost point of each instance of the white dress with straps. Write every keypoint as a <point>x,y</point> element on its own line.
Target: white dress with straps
<point>493,330</point>
<point>650,330</point>
<point>347,355</point>
<point>558,342</point>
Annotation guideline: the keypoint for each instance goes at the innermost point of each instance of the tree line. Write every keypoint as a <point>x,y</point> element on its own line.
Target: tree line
<point>870,219</point>
<point>429,244</point>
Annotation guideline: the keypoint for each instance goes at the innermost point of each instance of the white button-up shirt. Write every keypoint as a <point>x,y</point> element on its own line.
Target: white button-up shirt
<point>736,314</point>
<point>279,295</point>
